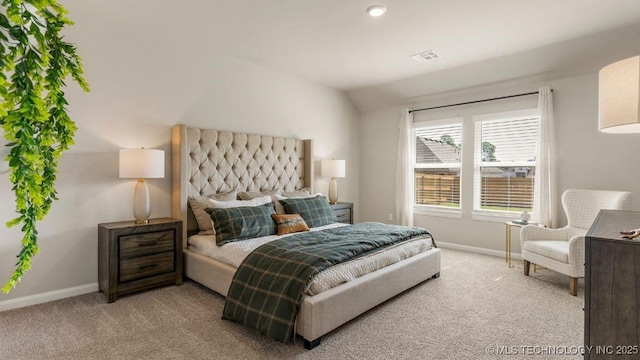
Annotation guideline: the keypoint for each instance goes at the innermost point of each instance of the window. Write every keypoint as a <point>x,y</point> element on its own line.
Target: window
<point>504,171</point>
<point>438,163</point>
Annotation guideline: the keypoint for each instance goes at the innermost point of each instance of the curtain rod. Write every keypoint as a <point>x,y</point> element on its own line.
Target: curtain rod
<point>476,101</point>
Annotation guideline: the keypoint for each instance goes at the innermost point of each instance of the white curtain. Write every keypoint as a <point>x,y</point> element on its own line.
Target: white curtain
<point>544,190</point>
<point>404,170</point>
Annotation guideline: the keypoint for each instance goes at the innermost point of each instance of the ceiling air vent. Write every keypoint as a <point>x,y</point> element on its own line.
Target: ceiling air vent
<point>425,56</point>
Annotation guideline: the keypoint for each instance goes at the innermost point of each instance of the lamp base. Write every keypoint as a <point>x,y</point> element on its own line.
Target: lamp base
<point>141,202</point>
<point>333,191</point>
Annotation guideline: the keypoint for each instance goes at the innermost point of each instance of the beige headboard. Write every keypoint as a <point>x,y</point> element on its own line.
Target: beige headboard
<point>206,162</point>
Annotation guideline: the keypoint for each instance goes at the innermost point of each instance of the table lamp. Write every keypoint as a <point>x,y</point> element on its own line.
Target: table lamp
<point>141,164</point>
<point>333,168</point>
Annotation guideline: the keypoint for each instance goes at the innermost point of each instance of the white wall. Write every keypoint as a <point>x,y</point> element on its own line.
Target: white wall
<point>140,89</point>
<point>585,158</point>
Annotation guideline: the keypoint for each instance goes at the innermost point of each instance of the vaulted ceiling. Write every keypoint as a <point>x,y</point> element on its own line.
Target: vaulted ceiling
<point>335,43</point>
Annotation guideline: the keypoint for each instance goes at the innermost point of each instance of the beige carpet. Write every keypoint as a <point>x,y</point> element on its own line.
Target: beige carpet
<point>477,303</point>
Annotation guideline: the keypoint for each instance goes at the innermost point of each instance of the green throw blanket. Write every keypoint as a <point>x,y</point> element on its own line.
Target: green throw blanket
<point>266,291</point>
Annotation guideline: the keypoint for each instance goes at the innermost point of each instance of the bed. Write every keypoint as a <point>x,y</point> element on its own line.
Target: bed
<point>208,162</point>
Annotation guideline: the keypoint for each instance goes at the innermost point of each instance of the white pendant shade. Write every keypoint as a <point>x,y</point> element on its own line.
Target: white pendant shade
<point>619,97</point>
<point>333,168</point>
<point>141,163</point>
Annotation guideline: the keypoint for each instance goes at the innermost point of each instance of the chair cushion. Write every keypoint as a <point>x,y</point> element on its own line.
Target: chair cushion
<point>556,250</point>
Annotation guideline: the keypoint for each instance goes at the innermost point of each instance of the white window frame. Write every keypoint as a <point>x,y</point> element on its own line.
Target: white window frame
<point>494,215</point>
<point>435,210</point>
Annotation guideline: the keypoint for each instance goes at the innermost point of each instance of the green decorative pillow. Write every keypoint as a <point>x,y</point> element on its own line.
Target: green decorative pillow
<point>242,223</point>
<point>315,211</point>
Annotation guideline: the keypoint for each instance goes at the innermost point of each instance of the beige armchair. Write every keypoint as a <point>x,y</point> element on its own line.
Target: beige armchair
<point>562,250</point>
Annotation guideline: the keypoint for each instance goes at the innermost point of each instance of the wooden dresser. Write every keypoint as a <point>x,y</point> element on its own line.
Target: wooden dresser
<point>612,288</point>
<point>344,212</point>
<point>134,257</point>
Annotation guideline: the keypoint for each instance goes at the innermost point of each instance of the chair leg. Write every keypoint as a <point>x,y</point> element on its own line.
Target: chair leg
<point>573,286</point>
<point>526,267</point>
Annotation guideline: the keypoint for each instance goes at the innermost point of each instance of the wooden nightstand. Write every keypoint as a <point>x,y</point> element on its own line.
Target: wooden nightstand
<point>344,212</point>
<point>134,257</point>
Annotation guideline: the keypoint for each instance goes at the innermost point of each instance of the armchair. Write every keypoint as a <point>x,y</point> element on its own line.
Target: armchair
<point>562,250</point>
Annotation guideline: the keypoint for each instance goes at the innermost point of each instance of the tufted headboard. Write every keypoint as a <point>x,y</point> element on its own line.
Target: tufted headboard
<point>206,162</point>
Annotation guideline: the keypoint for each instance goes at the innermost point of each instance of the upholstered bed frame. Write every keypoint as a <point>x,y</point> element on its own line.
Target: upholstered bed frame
<point>206,162</point>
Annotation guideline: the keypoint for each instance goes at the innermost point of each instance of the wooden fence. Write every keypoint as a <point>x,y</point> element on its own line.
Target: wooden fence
<point>435,189</point>
<point>507,192</point>
<point>497,192</point>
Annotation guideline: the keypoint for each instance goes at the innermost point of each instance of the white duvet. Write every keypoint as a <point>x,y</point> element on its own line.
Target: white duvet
<point>235,252</point>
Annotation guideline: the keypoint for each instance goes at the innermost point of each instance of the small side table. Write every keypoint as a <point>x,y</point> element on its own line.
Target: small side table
<point>134,257</point>
<point>509,225</point>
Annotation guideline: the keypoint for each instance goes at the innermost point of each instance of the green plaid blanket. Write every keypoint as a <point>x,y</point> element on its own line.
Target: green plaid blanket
<point>267,288</point>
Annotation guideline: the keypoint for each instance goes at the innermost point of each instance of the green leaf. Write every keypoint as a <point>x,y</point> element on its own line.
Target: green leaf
<point>4,22</point>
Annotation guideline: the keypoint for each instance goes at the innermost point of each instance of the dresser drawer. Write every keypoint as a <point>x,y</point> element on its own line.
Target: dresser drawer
<point>146,266</point>
<point>144,244</point>
<point>343,215</point>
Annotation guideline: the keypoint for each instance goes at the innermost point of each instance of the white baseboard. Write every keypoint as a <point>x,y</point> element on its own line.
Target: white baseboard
<point>479,250</point>
<point>48,296</point>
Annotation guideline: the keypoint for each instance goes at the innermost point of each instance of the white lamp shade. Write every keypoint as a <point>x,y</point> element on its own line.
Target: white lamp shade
<point>333,168</point>
<point>141,163</point>
<point>619,97</point>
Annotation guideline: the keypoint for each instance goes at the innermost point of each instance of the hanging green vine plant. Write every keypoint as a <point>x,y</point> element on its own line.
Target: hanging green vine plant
<point>35,61</point>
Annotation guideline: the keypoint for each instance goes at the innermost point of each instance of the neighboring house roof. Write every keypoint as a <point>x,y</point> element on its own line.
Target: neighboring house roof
<point>436,151</point>
<point>523,172</point>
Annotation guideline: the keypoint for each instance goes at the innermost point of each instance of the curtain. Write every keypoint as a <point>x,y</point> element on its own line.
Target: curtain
<point>544,189</point>
<point>404,170</point>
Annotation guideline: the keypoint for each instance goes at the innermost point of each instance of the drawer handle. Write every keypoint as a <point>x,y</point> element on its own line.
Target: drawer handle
<point>148,266</point>
<point>148,243</point>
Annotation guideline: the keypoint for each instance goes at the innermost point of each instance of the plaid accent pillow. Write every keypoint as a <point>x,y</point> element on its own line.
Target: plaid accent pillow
<point>200,203</point>
<point>290,223</point>
<point>315,211</point>
<point>242,223</point>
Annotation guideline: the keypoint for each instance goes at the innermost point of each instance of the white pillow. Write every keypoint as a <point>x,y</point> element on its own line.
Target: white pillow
<point>304,192</point>
<point>239,203</point>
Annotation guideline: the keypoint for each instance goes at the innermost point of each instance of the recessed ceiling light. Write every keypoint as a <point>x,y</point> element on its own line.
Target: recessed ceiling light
<point>376,10</point>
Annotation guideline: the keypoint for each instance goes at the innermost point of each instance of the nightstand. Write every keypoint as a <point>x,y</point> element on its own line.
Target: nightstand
<point>344,212</point>
<point>134,257</point>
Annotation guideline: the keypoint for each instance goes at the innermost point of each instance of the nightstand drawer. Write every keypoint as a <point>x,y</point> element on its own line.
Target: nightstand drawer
<point>343,215</point>
<point>144,244</point>
<point>145,266</point>
<point>343,211</point>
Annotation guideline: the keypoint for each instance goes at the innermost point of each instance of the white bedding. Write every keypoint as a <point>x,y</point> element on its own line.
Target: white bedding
<point>234,253</point>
